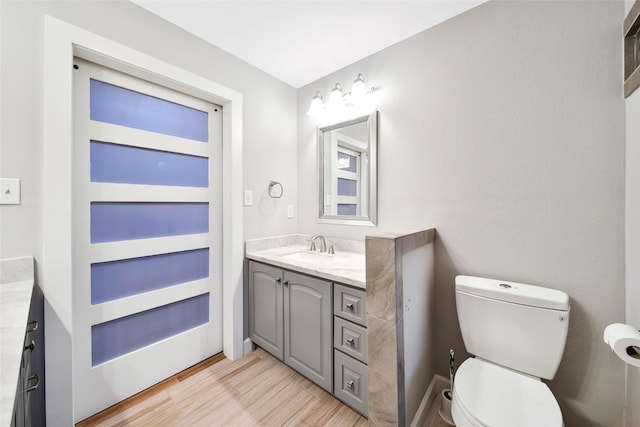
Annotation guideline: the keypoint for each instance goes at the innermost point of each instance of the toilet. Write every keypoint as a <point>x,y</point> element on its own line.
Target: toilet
<point>516,334</point>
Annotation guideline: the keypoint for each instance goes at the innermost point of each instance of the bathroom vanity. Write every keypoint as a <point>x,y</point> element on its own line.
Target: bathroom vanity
<point>345,320</point>
<point>308,309</point>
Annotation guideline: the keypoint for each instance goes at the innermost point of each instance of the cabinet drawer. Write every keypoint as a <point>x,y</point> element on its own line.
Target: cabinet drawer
<point>351,382</point>
<point>349,303</point>
<point>350,338</point>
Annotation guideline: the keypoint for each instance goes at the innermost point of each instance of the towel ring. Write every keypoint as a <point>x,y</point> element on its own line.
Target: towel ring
<point>274,191</point>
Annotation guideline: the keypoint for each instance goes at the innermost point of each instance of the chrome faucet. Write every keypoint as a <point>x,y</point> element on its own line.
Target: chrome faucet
<point>323,243</point>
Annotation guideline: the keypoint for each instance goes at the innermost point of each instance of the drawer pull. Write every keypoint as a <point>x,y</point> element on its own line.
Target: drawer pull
<point>32,326</point>
<point>350,385</point>
<point>35,386</point>
<point>351,342</point>
<point>31,346</point>
<point>350,306</point>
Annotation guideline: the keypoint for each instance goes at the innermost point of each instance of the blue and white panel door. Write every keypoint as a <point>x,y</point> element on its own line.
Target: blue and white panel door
<point>147,266</point>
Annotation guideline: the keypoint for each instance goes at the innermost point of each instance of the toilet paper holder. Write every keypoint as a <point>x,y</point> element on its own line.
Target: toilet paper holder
<point>624,341</point>
<point>633,351</point>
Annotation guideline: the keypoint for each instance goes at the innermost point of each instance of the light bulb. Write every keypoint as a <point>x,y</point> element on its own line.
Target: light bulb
<point>335,98</point>
<point>316,109</point>
<point>358,91</point>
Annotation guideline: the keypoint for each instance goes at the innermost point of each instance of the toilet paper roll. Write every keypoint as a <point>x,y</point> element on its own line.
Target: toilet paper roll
<point>624,340</point>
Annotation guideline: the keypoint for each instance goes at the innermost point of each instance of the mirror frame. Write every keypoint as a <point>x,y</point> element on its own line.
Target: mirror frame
<point>372,172</point>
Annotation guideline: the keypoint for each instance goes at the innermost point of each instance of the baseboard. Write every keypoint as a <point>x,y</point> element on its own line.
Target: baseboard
<point>437,384</point>
<point>248,346</point>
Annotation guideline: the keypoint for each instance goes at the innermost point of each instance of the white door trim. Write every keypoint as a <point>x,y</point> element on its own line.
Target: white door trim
<point>63,41</point>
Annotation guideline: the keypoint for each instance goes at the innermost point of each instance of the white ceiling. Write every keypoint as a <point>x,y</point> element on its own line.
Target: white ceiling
<point>301,41</point>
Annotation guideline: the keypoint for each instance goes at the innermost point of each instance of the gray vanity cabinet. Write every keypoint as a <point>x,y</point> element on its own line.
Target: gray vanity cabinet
<point>290,316</point>
<point>308,327</point>
<point>266,308</point>
<point>351,374</point>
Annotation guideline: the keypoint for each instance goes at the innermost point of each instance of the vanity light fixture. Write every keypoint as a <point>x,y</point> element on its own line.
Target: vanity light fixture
<point>355,101</point>
<point>316,109</point>
<point>358,90</point>
<point>336,104</point>
<point>335,97</point>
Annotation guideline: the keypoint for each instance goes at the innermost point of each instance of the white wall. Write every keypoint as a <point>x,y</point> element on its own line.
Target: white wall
<point>503,128</point>
<point>632,242</point>
<point>269,131</point>
<point>269,111</point>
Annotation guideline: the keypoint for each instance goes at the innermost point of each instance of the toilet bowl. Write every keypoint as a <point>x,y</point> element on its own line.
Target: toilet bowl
<point>517,334</point>
<point>489,395</point>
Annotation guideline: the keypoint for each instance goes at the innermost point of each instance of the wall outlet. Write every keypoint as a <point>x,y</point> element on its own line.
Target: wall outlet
<point>248,198</point>
<point>9,191</point>
<point>289,211</point>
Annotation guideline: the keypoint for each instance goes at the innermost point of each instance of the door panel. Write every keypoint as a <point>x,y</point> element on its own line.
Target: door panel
<point>147,275</point>
<point>308,327</point>
<point>265,308</point>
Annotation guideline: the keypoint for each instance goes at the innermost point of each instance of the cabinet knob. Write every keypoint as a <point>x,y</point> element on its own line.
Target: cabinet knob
<point>349,306</point>
<point>31,346</point>
<point>351,342</point>
<point>286,283</point>
<point>350,384</point>
<point>278,281</point>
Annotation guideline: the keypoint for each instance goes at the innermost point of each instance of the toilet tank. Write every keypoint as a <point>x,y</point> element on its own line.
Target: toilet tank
<point>522,327</point>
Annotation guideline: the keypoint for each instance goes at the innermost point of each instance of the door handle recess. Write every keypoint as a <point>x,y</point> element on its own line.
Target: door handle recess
<point>35,386</point>
<point>32,326</point>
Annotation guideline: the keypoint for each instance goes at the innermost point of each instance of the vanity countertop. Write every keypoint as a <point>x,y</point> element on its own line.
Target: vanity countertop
<point>343,267</point>
<point>16,285</point>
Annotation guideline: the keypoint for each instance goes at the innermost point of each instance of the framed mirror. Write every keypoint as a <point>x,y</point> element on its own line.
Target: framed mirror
<point>347,171</point>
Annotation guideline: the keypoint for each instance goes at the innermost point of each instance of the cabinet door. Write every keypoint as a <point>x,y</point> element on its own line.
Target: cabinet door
<point>308,327</point>
<point>265,308</point>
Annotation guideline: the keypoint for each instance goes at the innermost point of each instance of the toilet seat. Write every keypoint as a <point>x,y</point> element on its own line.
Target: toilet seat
<point>485,394</point>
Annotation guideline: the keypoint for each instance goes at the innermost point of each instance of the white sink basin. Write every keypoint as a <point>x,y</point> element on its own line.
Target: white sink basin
<point>308,256</point>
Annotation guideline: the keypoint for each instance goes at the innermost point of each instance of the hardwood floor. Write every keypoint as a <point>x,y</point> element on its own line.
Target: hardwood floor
<point>433,418</point>
<point>255,390</point>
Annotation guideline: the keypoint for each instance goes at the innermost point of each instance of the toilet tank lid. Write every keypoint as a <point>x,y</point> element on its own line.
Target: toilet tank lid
<point>517,293</point>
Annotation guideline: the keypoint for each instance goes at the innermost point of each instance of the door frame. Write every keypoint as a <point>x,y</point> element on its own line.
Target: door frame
<point>63,42</point>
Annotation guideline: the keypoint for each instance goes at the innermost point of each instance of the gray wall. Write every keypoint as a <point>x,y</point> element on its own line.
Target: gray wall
<point>269,132</point>
<point>503,128</point>
<point>632,244</point>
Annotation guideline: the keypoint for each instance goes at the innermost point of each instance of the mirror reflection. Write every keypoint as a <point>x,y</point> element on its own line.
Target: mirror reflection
<point>347,171</point>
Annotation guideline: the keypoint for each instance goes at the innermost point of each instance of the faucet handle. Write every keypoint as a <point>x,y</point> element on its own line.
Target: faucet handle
<point>331,251</point>
<point>313,246</point>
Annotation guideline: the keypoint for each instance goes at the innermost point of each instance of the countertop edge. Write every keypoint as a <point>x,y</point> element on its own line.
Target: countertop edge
<point>278,262</point>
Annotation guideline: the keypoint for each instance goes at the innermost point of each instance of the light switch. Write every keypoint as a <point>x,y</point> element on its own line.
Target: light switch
<point>248,198</point>
<point>9,191</point>
<point>289,211</point>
